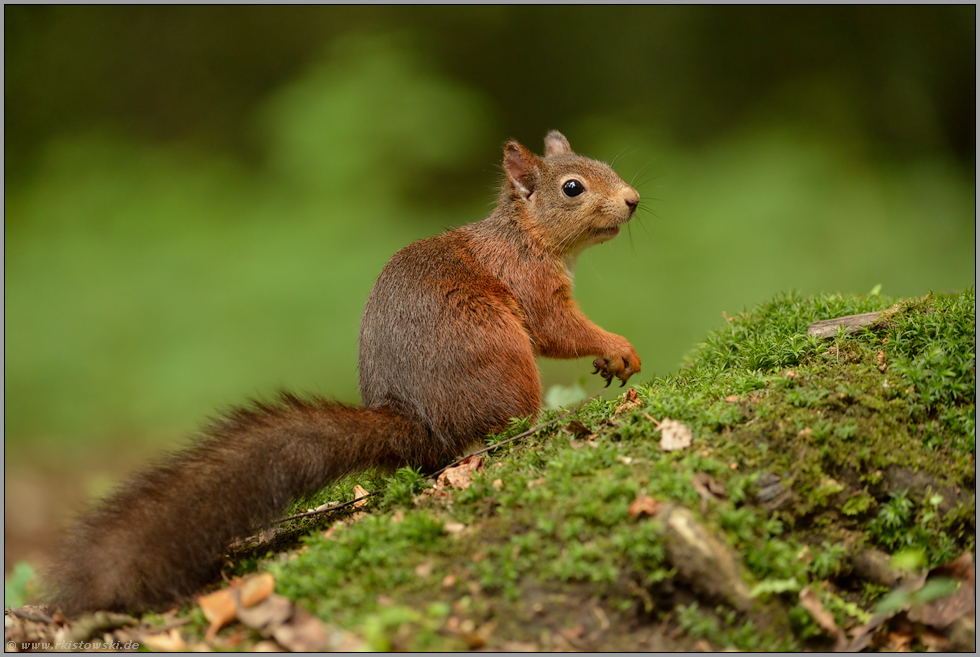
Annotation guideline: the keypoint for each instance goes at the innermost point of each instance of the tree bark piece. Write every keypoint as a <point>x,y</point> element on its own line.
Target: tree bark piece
<point>827,328</point>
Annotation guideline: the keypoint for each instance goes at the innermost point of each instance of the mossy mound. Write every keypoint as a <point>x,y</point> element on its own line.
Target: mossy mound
<point>808,455</point>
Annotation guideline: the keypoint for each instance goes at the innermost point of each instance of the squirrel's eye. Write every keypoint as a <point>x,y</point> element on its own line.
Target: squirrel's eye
<point>572,188</point>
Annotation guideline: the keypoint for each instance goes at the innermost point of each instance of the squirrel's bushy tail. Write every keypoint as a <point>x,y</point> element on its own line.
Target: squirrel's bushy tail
<point>160,536</point>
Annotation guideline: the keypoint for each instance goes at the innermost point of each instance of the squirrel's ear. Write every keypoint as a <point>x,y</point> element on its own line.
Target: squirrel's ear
<point>521,166</point>
<point>556,144</point>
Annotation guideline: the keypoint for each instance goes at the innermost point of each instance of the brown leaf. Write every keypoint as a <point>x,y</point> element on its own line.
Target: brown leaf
<point>476,637</point>
<point>674,435</point>
<point>221,607</point>
<point>943,612</point>
<point>256,589</point>
<point>960,568</point>
<point>899,642</point>
<point>304,633</point>
<point>822,617</point>
<point>708,489</point>
<point>644,504</point>
<point>165,642</point>
<point>359,491</point>
<point>578,428</point>
<point>713,487</point>
<point>933,642</point>
<point>631,400</point>
<point>268,614</point>
<point>460,476</point>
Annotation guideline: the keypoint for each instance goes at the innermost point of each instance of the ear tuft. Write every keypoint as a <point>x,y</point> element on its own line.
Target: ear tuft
<point>556,144</point>
<point>521,167</point>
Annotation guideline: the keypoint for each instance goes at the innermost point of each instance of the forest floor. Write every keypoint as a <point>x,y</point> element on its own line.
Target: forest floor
<point>781,492</point>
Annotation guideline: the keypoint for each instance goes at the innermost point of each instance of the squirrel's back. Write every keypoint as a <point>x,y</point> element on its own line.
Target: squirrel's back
<point>445,342</point>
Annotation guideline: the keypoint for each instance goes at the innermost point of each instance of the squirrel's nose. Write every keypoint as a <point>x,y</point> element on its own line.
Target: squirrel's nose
<point>632,199</point>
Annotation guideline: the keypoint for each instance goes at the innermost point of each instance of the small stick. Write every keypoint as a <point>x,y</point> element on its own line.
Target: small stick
<point>317,512</point>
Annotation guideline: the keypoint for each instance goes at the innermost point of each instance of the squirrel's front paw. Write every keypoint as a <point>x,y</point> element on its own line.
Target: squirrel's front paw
<point>622,365</point>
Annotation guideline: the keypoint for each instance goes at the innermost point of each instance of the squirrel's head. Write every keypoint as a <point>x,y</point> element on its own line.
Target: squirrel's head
<point>568,201</point>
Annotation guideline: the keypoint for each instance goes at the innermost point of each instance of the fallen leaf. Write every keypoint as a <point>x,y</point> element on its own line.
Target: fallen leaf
<point>221,607</point>
<point>960,568</point>
<point>713,487</point>
<point>476,637</point>
<point>359,491</point>
<point>166,642</point>
<point>266,646</point>
<point>304,633</point>
<point>644,504</point>
<point>822,617</point>
<point>933,642</point>
<point>943,612</point>
<point>708,489</point>
<point>460,476</point>
<point>268,614</point>
<point>424,569</point>
<point>674,435</point>
<point>631,400</point>
<point>498,483</point>
<point>255,589</point>
<point>732,399</point>
<point>577,428</point>
<point>448,581</point>
<point>899,642</point>
<point>452,527</point>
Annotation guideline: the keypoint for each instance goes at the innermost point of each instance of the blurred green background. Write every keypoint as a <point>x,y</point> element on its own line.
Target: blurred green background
<point>198,199</point>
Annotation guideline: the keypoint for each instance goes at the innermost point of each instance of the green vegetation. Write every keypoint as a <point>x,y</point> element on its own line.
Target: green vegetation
<point>549,519</point>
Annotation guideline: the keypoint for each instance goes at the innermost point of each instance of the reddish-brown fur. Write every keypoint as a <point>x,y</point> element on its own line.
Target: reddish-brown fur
<point>448,341</point>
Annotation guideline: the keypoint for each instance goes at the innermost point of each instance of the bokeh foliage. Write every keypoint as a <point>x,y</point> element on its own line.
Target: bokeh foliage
<point>199,198</point>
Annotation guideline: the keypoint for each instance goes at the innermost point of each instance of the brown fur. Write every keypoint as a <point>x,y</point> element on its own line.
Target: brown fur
<point>447,348</point>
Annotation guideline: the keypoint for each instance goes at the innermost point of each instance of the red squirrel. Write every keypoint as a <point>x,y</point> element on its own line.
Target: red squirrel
<point>447,346</point>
